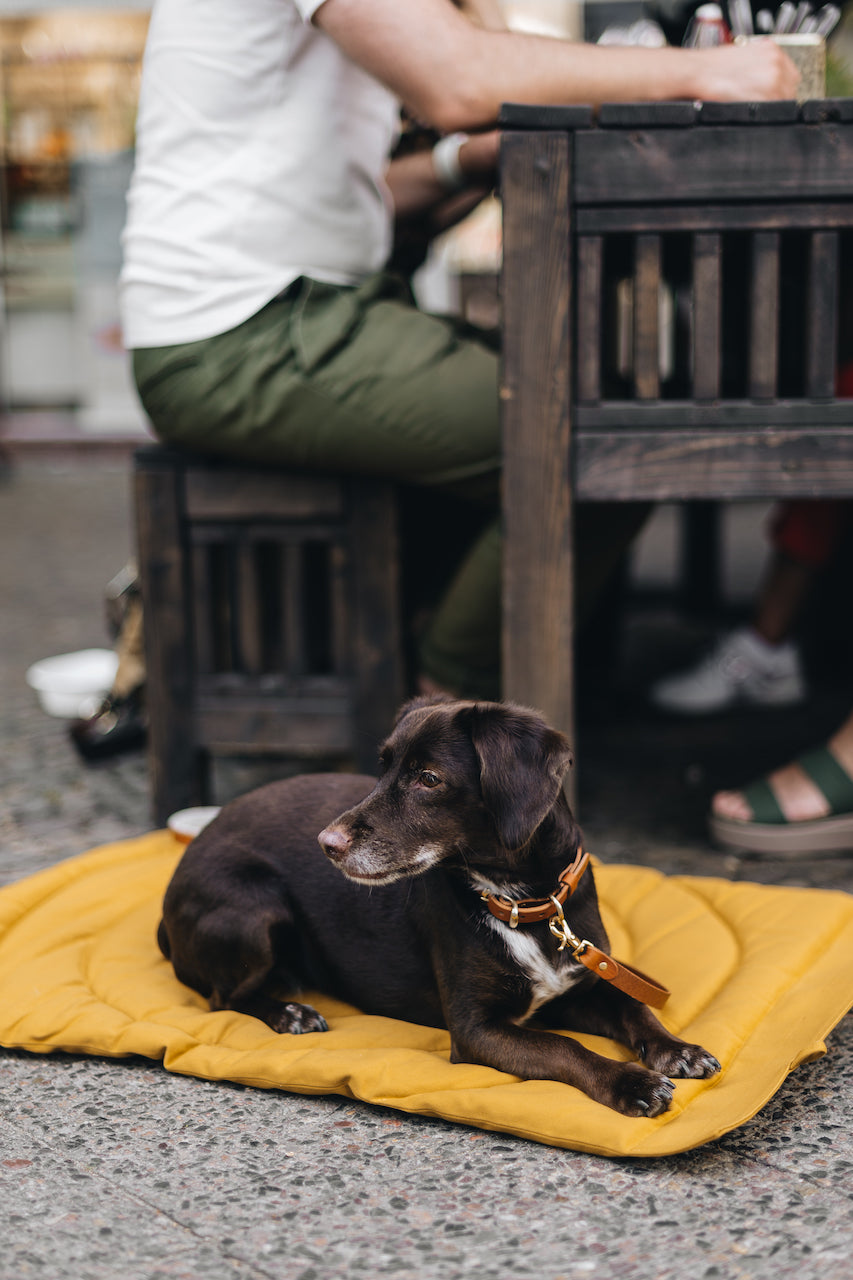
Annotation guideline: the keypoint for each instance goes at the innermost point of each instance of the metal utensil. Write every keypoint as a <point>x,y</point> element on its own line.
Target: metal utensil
<point>740,17</point>
<point>785,15</point>
<point>803,11</point>
<point>826,20</point>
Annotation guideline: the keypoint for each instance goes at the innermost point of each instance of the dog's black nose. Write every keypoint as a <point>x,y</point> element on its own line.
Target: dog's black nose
<point>334,842</point>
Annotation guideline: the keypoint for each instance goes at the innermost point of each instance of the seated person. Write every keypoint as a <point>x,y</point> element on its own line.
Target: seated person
<point>262,322</point>
<point>759,665</point>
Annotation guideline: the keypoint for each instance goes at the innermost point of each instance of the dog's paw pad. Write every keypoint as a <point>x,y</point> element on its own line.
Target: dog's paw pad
<point>643,1093</point>
<point>299,1019</point>
<point>683,1062</point>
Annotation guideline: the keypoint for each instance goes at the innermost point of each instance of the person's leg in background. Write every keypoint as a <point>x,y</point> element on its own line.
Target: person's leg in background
<point>119,723</point>
<point>807,804</point>
<point>359,380</point>
<point>804,807</point>
<point>760,663</point>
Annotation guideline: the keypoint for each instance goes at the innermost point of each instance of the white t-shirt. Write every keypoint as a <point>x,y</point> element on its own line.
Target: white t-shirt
<point>260,157</point>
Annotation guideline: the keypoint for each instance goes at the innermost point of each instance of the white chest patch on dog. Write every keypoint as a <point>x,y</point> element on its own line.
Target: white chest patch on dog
<point>550,973</point>
<point>549,976</point>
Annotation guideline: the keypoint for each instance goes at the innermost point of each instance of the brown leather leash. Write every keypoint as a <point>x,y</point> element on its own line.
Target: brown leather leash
<point>532,910</point>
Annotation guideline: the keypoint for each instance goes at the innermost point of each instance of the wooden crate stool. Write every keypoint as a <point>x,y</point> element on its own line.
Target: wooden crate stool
<point>271,605</point>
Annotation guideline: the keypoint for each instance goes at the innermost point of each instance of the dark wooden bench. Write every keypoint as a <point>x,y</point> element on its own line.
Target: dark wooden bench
<point>674,316</point>
<point>272,617</point>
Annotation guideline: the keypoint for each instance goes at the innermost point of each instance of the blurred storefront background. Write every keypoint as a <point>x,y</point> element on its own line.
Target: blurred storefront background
<point>69,82</point>
<point>69,79</point>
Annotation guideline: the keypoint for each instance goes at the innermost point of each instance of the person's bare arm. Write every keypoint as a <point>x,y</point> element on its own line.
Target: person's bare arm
<point>455,75</point>
<point>415,186</point>
<point>486,13</point>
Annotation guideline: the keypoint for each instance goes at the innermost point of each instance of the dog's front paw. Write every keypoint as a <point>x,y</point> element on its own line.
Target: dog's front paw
<point>297,1019</point>
<point>681,1061</point>
<point>638,1092</point>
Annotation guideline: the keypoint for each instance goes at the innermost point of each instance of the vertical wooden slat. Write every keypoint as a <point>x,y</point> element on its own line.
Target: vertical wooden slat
<point>822,342</point>
<point>376,618</point>
<point>647,275</point>
<point>200,594</point>
<point>221,606</point>
<point>707,302</point>
<point>272,608</point>
<point>538,569</point>
<point>589,320</point>
<point>339,610</point>
<point>248,618</point>
<point>292,597</point>
<point>175,762</point>
<point>318,623</point>
<point>764,316</point>
<point>228,603</point>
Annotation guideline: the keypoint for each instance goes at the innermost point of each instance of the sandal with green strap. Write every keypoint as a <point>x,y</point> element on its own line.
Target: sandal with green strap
<point>770,832</point>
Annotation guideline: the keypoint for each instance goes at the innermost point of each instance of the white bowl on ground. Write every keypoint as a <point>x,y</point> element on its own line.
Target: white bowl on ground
<point>187,823</point>
<point>73,684</point>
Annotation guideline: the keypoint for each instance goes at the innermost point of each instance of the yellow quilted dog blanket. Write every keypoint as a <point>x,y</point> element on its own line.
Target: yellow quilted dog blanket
<point>758,975</point>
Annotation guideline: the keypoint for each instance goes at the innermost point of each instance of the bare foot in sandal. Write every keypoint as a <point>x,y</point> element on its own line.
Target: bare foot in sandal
<point>797,796</point>
<point>806,806</point>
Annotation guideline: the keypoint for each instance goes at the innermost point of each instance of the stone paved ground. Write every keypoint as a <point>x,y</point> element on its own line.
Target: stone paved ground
<point>118,1168</point>
<point>65,531</point>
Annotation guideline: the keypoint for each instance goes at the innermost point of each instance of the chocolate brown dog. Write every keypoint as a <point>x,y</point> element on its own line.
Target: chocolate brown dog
<point>468,814</point>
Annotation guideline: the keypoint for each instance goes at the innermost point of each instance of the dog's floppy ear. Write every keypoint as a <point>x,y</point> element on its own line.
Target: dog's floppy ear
<point>522,765</point>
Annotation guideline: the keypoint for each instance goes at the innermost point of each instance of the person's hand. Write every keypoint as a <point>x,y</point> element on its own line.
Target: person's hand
<point>478,159</point>
<point>754,72</point>
<point>478,156</point>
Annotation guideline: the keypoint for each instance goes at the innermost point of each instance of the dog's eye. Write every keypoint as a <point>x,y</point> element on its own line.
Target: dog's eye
<point>428,778</point>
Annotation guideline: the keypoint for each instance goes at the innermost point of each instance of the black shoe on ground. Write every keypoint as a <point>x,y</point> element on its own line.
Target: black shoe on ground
<point>118,725</point>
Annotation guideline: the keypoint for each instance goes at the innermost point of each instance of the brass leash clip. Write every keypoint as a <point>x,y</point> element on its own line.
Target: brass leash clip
<point>559,926</point>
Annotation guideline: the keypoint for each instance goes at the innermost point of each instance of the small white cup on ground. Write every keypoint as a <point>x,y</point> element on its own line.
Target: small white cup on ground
<point>73,684</point>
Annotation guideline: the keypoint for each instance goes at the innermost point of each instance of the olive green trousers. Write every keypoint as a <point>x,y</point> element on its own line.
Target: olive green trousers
<point>357,379</point>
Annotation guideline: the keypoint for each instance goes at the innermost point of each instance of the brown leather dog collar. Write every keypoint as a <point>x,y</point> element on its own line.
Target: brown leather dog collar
<point>532,910</point>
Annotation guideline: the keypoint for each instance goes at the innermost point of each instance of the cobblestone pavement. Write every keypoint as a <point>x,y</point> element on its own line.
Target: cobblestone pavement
<point>119,1168</point>
<point>65,533</point>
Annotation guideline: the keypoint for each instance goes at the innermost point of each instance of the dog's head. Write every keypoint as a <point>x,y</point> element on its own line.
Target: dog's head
<point>460,779</point>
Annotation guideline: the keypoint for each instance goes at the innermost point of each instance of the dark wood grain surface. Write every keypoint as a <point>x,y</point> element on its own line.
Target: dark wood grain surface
<point>676,294</point>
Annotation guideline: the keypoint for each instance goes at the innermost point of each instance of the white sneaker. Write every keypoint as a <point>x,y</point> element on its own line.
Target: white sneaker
<point>741,668</point>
